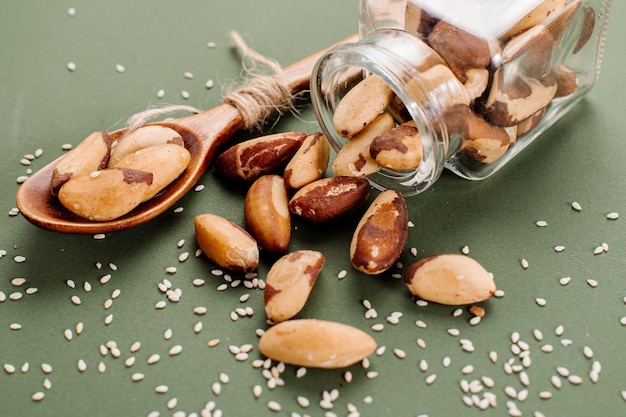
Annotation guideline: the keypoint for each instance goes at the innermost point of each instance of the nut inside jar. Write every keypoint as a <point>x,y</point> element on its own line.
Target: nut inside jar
<point>475,98</point>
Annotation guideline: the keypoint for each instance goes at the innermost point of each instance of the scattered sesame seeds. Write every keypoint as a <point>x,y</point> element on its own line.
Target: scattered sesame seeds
<point>120,68</point>
<point>38,396</point>
<point>524,263</point>
<point>541,223</point>
<point>274,406</point>
<point>612,216</point>
<point>75,299</point>
<point>175,350</point>
<point>541,302</point>
<point>71,66</point>
<point>185,94</point>
<point>160,93</point>
<point>81,365</point>
<point>46,368</point>
<point>465,250</point>
<point>576,206</point>
<point>559,248</point>
<point>592,283</point>
<point>565,280</point>
<point>188,75</point>
<point>154,358</point>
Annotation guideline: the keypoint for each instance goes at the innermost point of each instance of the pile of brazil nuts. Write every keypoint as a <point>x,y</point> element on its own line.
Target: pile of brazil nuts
<point>103,178</point>
<point>285,176</point>
<point>492,104</point>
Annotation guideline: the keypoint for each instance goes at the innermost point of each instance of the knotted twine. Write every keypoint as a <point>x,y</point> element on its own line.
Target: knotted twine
<point>258,97</point>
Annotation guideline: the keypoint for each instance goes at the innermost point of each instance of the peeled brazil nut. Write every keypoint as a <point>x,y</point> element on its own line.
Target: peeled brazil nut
<point>90,155</point>
<point>143,137</point>
<point>316,343</point>
<point>399,148</point>
<point>362,104</point>
<point>267,214</point>
<point>381,234</point>
<point>289,283</point>
<point>354,158</point>
<point>106,194</point>
<point>226,244</point>
<point>248,160</point>
<point>480,141</point>
<point>166,162</point>
<point>461,50</point>
<point>329,198</point>
<point>309,163</point>
<point>451,279</point>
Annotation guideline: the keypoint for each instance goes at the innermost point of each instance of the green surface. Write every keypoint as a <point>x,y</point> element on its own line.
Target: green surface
<point>44,105</point>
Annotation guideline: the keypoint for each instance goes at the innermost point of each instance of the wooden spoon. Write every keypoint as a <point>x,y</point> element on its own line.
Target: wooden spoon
<point>202,133</point>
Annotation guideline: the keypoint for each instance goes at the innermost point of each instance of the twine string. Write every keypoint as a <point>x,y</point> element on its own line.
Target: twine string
<point>257,98</point>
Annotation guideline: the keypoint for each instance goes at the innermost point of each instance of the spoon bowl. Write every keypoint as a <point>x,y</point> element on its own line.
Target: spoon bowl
<point>202,133</point>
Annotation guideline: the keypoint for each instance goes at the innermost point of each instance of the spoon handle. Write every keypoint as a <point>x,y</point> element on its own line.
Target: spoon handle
<point>219,123</point>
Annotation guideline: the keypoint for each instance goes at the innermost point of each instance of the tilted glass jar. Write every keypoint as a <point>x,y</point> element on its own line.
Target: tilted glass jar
<point>460,84</point>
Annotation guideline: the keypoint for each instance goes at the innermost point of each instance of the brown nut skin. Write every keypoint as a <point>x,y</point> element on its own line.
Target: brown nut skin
<point>461,50</point>
<point>399,148</point>
<point>380,236</point>
<point>450,279</point>
<point>92,154</point>
<point>587,29</point>
<point>480,141</point>
<point>141,138</point>
<point>566,81</point>
<point>330,198</point>
<point>418,21</point>
<point>316,343</point>
<point>165,162</point>
<point>309,163</point>
<point>544,10</point>
<point>266,213</point>
<point>248,160</point>
<point>354,158</point>
<point>226,244</point>
<point>108,194</point>
<point>289,282</point>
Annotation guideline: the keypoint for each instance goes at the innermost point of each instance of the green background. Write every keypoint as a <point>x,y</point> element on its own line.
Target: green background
<point>43,106</point>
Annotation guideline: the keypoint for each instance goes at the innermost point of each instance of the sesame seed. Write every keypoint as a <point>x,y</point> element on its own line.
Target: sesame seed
<point>565,280</point>
<point>199,187</point>
<point>200,310</point>
<point>120,68</point>
<point>524,263</point>
<point>99,236</point>
<point>446,361</point>
<point>71,11</point>
<point>623,321</point>
<point>401,354</point>
<point>81,365</point>
<point>465,250</point>
<point>421,343</point>
<point>216,388</point>
<point>213,342</point>
<point>378,327</point>
<point>342,274</point>
<point>454,332</point>
<point>576,206</point>
<point>188,75</point>
<point>198,282</point>
<point>559,248</point>
<point>541,302</point>
<point>161,389</point>
<point>545,395</point>
<point>547,348</point>
<point>25,367</point>
<point>130,361</point>
<point>38,396</point>
<point>16,295</point>
<point>541,223</point>
<point>588,352</point>
<point>153,359</point>
<point>592,283</point>
<point>46,368</point>
<point>274,406</point>
<point>430,379</point>
<point>160,305</point>
<point>575,379</point>
<point>185,94</point>
<point>209,84</point>
<point>71,66</point>
<point>211,44</point>
<point>197,328</point>
<point>183,257</point>
<point>175,350</point>
<point>612,216</point>
<point>137,376</point>
<point>559,330</point>
<point>75,299</point>
<point>108,319</point>
<point>171,403</point>
<point>8,368</point>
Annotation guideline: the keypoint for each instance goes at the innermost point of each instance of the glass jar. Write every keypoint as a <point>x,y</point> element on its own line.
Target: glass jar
<point>460,84</point>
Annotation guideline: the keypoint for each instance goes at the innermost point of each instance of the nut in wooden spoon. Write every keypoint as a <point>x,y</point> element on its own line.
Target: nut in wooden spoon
<point>202,134</point>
